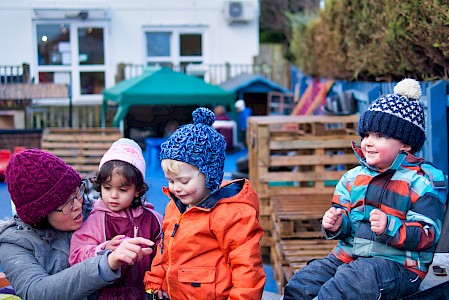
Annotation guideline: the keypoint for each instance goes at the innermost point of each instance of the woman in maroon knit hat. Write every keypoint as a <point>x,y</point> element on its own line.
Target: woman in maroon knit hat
<point>34,245</point>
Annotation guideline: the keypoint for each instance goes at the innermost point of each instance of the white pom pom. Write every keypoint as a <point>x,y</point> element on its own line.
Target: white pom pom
<point>408,87</point>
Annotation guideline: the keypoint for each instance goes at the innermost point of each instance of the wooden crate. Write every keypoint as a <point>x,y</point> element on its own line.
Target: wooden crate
<point>298,216</point>
<point>297,155</point>
<point>295,159</point>
<point>81,148</point>
<point>28,138</point>
<point>294,254</point>
<point>306,171</point>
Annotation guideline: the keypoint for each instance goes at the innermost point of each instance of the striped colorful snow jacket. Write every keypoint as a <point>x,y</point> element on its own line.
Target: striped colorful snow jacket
<point>410,192</point>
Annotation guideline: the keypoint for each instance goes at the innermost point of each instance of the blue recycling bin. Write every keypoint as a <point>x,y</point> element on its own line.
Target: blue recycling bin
<point>152,150</point>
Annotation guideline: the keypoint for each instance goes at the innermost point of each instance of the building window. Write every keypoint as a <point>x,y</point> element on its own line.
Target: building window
<point>158,44</point>
<point>72,53</point>
<point>92,83</point>
<point>91,46</point>
<point>53,44</point>
<point>55,77</point>
<point>190,45</point>
<point>175,48</point>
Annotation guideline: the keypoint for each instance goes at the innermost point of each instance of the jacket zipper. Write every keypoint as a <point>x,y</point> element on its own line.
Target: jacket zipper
<point>175,228</point>
<point>382,193</point>
<point>135,227</point>
<point>386,181</point>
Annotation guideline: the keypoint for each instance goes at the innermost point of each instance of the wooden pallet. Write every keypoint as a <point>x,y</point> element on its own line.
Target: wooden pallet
<point>292,255</point>
<point>81,148</point>
<point>297,155</point>
<point>302,160</point>
<point>298,216</point>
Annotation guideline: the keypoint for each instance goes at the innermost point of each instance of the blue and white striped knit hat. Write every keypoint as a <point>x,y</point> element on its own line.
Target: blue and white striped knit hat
<point>399,115</point>
<point>200,145</point>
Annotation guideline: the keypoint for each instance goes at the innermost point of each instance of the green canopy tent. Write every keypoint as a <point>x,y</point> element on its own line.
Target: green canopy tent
<point>163,87</point>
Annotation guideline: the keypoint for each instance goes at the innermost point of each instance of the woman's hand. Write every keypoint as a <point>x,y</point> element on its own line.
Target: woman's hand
<point>129,251</point>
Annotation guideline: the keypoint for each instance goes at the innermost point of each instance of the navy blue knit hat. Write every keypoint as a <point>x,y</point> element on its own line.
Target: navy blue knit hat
<point>200,145</point>
<point>399,115</point>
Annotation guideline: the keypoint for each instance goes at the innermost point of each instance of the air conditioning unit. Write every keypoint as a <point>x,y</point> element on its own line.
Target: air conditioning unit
<point>239,11</point>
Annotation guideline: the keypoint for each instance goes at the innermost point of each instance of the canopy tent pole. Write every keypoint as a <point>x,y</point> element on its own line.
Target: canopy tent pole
<point>104,105</point>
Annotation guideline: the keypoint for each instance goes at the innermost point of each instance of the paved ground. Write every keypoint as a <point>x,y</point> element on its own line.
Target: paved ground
<point>270,296</point>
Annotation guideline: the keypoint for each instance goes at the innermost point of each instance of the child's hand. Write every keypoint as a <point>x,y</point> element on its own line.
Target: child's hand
<point>156,294</point>
<point>114,242</point>
<point>130,251</point>
<point>332,219</point>
<point>378,221</point>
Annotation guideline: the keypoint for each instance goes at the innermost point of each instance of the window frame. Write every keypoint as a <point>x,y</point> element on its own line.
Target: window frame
<point>175,57</point>
<point>75,68</point>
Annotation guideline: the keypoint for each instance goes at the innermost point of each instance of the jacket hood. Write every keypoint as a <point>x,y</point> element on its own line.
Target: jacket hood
<point>238,190</point>
<point>100,206</point>
<point>6,224</point>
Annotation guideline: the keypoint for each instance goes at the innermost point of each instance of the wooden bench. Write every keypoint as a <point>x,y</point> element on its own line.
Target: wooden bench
<point>81,148</point>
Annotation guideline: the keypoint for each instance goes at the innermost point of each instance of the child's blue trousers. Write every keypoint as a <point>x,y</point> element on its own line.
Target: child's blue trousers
<point>363,278</point>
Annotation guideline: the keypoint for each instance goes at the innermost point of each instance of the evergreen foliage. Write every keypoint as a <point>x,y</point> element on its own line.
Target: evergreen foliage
<point>373,40</point>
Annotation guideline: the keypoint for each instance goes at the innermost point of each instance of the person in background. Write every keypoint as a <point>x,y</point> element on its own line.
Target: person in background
<point>170,127</point>
<point>210,248</point>
<point>34,245</point>
<point>243,113</point>
<point>224,126</point>
<point>120,213</point>
<point>387,212</point>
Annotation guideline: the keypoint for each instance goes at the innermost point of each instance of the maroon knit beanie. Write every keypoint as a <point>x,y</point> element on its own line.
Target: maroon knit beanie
<point>39,182</point>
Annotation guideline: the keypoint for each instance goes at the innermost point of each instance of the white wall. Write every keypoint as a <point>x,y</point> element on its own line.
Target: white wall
<point>235,43</point>
<point>125,41</point>
<point>16,45</point>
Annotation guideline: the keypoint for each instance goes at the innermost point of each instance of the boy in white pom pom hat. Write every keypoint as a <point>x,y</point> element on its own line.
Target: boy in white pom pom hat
<point>387,212</point>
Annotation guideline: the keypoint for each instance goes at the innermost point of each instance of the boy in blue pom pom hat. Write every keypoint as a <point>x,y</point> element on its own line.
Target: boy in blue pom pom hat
<point>387,212</point>
<point>210,248</point>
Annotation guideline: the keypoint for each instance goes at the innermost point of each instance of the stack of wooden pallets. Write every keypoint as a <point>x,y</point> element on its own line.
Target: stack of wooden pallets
<point>294,165</point>
<point>81,148</point>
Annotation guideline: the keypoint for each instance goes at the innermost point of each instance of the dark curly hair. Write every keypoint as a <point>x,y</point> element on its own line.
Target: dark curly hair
<point>129,172</point>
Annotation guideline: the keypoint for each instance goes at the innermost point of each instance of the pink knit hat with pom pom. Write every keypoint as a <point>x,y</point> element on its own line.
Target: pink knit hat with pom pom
<point>125,150</point>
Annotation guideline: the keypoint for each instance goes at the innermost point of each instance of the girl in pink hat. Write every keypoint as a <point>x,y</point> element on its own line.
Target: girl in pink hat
<point>119,214</point>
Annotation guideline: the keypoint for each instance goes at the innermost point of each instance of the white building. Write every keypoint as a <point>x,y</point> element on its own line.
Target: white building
<point>82,43</point>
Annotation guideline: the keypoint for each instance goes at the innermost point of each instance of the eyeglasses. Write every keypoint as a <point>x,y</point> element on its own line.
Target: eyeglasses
<point>66,208</point>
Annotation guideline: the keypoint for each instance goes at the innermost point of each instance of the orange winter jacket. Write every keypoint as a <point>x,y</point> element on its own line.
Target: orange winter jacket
<point>212,250</point>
